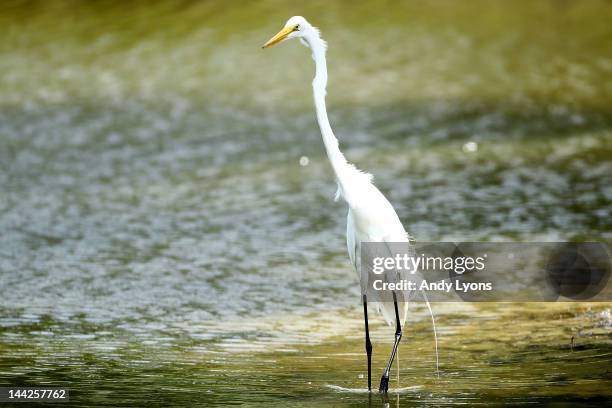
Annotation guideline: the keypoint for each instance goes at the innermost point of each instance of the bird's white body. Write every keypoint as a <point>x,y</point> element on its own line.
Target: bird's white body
<point>371,217</point>
<point>362,227</point>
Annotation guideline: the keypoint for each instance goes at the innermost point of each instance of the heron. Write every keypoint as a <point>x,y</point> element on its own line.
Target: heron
<point>371,217</point>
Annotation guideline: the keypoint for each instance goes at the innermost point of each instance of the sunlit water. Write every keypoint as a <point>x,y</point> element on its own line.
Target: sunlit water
<point>160,240</point>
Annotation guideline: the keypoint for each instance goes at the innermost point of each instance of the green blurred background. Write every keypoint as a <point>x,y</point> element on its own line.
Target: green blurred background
<point>160,240</point>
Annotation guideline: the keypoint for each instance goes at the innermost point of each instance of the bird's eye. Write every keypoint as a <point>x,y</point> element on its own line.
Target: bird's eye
<point>296,28</point>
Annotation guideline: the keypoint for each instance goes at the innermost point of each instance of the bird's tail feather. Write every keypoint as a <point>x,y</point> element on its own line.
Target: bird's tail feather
<point>397,356</point>
<point>435,331</point>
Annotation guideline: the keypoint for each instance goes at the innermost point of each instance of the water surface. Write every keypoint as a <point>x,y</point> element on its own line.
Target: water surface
<point>160,241</point>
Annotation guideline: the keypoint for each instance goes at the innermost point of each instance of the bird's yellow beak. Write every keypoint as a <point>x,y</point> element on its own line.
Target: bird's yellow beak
<point>280,36</point>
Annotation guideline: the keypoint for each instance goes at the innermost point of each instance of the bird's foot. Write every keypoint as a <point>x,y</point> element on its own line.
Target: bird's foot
<point>384,384</point>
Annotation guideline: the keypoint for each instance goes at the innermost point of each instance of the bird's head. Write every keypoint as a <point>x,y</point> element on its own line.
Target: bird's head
<point>296,27</point>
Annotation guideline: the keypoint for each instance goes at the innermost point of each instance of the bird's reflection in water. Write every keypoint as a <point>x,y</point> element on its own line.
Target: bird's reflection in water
<point>384,399</point>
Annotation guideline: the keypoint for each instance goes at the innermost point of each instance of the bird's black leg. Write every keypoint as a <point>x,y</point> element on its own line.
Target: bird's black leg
<point>368,343</point>
<point>384,381</point>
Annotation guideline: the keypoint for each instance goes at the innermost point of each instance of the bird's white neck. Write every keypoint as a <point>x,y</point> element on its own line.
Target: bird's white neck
<point>319,85</point>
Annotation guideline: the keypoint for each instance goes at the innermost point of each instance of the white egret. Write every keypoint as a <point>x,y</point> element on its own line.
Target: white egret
<point>371,218</point>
